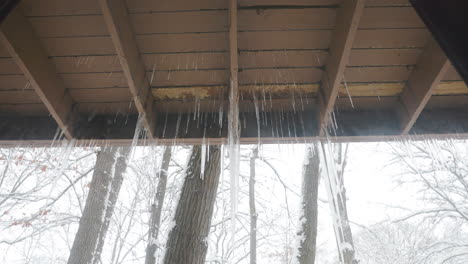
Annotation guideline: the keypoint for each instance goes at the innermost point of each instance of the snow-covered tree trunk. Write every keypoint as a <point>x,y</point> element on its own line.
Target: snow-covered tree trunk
<point>156,208</point>
<point>253,211</point>
<point>308,227</point>
<point>111,163</point>
<point>188,240</point>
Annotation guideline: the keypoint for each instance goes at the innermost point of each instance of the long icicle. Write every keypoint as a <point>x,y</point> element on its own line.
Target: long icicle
<point>233,117</point>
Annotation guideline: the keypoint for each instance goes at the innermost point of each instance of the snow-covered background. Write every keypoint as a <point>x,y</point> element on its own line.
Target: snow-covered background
<point>396,213</point>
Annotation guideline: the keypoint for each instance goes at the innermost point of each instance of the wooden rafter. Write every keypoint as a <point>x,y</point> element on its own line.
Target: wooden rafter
<point>430,69</point>
<point>118,23</point>
<point>26,49</point>
<point>363,126</point>
<point>345,30</point>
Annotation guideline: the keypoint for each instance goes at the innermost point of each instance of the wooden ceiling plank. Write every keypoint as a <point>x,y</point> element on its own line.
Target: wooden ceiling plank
<point>119,26</point>
<point>340,48</point>
<point>431,68</point>
<point>26,49</point>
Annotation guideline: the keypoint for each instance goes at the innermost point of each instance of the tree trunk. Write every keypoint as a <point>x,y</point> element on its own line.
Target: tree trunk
<point>187,242</point>
<point>253,211</point>
<point>310,183</point>
<point>156,208</point>
<point>111,163</point>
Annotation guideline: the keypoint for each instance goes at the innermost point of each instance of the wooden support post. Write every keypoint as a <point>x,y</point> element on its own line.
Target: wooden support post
<point>432,66</point>
<point>345,30</point>
<point>26,49</point>
<point>118,23</point>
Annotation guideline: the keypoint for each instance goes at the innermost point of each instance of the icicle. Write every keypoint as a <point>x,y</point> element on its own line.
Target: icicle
<point>179,119</point>
<point>222,164</point>
<point>257,116</point>
<point>67,148</point>
<point>220,117</point>
<point>138,130</point>
<point>293,97</point>
<point>347,91</point>
<point>234,152</point>
<point>187,124</point>
<point>165,124</point>
<point>152,73</point>
<point>334,125</point>
<point>203,159</point>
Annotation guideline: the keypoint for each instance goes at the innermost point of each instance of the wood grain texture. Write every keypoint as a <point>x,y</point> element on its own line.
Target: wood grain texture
<point>26,49</point>
<point>427,75</point>
<point>340,48</point>
<point>118,23</point>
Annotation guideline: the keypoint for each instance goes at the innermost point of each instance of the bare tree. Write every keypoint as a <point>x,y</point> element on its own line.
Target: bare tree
<point>409,243</point>
<point>125,228</point>
<point>188,240</point>
<point>40,190</point>
<point>438,172</point>
<point>156,207</point>
<point>111,164</point>
<point>222,249</point>
<point>128,234</point>
<point>308,228</point>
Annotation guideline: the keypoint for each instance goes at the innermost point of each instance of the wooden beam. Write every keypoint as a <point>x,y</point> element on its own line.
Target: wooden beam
<point>118,22</point>
<point>26,49</point>
<point>218,91</point>
<point>424,79</point>
<point>447,22</point>
<point>275,127</point>
<point>278,91</point>
<point>222,140</point>
<point>233,121</point>
<point>345,30</point>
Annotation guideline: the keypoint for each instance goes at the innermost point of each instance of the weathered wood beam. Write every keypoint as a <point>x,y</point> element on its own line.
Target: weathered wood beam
<point>276,91</point>
<point>26,49</point>
<point>447,22</point>
<point>424,79</point>
<point>345,30</point>
<point>119,26</point>
<point>218,91</point>
<point>275,127</point>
